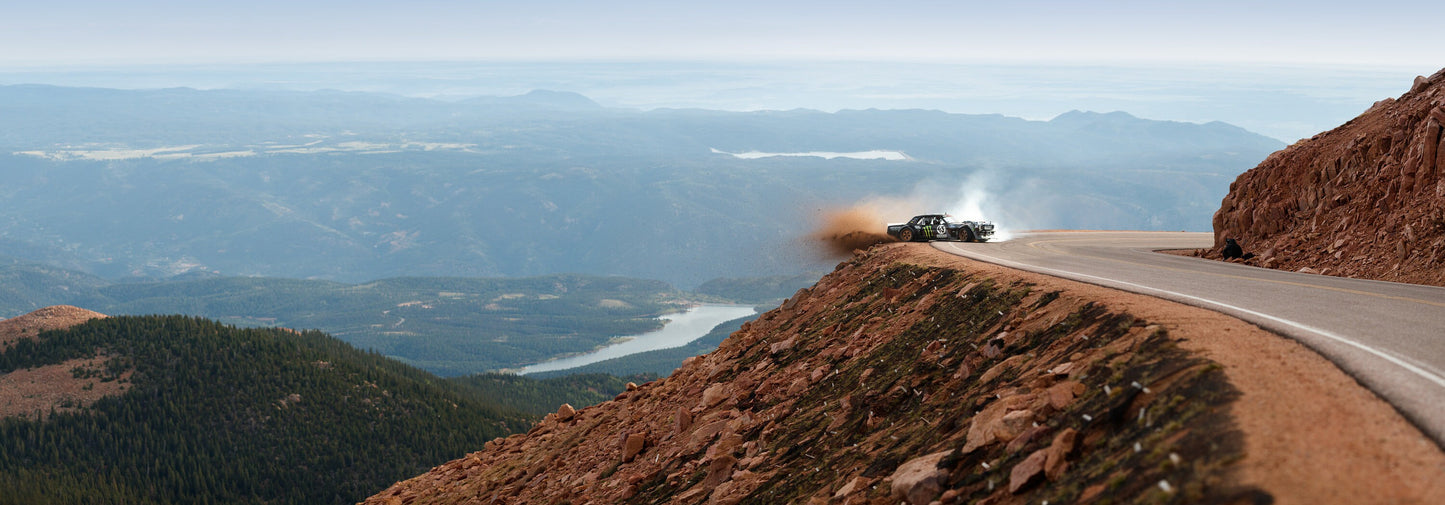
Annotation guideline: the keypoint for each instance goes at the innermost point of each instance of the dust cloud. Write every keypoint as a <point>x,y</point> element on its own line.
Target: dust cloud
<point>845,230</point>
<point>865,224</point>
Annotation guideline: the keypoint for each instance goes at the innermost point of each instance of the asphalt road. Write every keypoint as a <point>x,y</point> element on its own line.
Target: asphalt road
<point>1389,336</point>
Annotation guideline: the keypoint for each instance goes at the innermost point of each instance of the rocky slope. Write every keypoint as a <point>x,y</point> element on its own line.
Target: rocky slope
<point>1364,200</point>
<point>909,375</point>
<point>896,379</point>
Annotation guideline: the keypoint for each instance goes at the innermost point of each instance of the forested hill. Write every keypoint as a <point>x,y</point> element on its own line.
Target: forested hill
<point>216,414</point>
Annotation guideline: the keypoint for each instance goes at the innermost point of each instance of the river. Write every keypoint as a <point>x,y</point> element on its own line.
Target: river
<point>679,330</point>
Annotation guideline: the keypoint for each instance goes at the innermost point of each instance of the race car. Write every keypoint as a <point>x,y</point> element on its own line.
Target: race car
<point>939,227</point>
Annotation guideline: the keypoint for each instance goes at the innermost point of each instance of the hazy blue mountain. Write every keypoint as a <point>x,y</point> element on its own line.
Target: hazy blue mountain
<point>540,98</point>
<point>356,186</point>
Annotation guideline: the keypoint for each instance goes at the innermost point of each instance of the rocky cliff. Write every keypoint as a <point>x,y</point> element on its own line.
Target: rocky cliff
<point>1364,200</point>
<point>888,381</point>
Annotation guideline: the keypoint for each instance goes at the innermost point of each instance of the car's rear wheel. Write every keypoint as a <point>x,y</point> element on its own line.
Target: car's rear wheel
<point>905,235</point>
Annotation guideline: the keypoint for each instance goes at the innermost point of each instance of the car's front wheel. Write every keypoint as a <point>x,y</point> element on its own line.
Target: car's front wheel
<point>966,235</point>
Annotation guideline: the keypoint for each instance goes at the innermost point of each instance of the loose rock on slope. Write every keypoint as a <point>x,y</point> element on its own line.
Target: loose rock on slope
<point>886,366</point>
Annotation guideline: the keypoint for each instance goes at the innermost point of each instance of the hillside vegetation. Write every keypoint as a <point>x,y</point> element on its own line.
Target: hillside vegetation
<point>215,414</point>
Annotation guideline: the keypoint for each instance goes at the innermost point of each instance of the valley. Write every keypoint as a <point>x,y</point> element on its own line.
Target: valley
<point>352,187</point>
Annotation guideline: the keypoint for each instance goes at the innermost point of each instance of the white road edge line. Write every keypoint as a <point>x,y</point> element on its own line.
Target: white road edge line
<point>1427,375</point>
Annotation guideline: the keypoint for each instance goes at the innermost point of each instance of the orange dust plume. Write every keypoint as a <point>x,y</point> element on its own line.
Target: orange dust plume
<point>845,230</point>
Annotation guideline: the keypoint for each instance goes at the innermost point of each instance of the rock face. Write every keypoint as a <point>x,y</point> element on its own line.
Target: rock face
<point>871,399</point>
<point>1364,200</point>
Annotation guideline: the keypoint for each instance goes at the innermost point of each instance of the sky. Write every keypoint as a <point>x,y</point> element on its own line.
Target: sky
<point>1286,69</point>
<point>67,32</point>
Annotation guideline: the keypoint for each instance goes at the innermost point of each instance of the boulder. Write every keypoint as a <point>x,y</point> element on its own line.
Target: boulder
<point>919,480</point>
<point>1024,439</point>
<point>1013,424</point>
<point>986,424</point>
<point>1062,395</point>
<point>797,298</point>
<point>682,420</point>
<point>847,489</point>
<point>783,346</point>
<point>565,412</point>
<point>633,446</point>
<point>1027,471</point>
<point>798,386</point>
<point>1056,462</point>
<point>719,471</point>
<point>715,394</point>
<point>818,373</point>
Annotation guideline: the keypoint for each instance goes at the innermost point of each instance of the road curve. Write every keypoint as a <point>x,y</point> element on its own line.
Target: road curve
<point>1389,336</point>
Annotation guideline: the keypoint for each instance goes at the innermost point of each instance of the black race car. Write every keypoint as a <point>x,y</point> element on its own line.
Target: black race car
<point>938,227</point>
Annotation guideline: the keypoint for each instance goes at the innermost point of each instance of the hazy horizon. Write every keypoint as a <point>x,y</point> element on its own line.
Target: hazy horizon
<point>1286,69</point>
<point>1283,102</point>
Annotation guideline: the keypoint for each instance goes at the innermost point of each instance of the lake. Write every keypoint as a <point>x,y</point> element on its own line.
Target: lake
<point>679,330</point>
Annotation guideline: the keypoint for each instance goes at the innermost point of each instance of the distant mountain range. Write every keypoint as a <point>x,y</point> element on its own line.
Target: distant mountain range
<point>357,186</point>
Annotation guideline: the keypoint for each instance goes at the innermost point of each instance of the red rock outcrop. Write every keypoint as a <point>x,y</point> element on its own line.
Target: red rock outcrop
<point>1364,200</point>
<point>886,381</point>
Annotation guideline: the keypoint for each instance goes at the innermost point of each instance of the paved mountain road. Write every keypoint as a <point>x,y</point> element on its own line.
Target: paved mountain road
<point>1389,336</point>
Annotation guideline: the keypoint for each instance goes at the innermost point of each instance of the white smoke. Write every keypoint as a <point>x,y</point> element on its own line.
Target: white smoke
<point>976,198</point>
<point>975,202</point>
